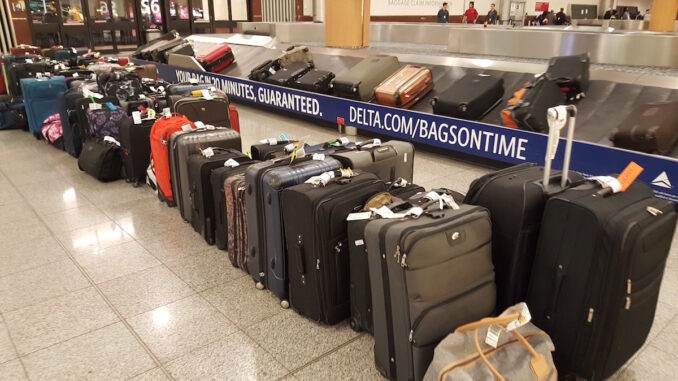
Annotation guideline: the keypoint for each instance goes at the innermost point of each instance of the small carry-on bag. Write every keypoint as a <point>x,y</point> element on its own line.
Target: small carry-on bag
<point>136,147</point>
<point>12,115</point>
<point>596,276</point>
<point>314,215</point>
<point>236,216</point>
<point>106,121</point>
<point>213,111</point>
<point>183,49</point>
<point>187,88</point>
<point>264,70</point>
<point>287,75</point>
<point>25,49</point>
<point>18,71</point>
<point>39,95</point>
<point>200,166</point>
<point>359,81</point>
<point>405,87</point>
<point>82,106</point>
<point>122,85</point>
<point>101,159</point>
<point>265,231</point>
<point>269,149</point>
<point>428,275</point>
<point>295,54</point>
<point>515,197</point>
<point>217,59</point>
<point>162,130</point>
<point>571,74</point>
<point>52,133</point>
<point>316,81</point>
<point>527,108</point>
<point>471,97</point>
<point>144,51</point>
<point>390,160</point>
<point>649,128</point>
<point>522,353</point>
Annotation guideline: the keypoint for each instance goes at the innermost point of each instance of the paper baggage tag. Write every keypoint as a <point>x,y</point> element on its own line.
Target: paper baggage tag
<point>270,70</point>
<point>136,117</point>
<point>142,96</point>
<point>95,106</point>
<point>166,112</point>
<point>199,125</point>
<point>110,139</point>
<point>289,148</point>
<point>359,242</point>
<point>208,152</point>
<point>153,89</point>
<point>523,319</point>
<point>231,163</point>
<point>151,113</point>
<point>272,141</point>
<point>186,127</point>
<point>359,216</point>
<point>210,127</point>
<point>193,81</point>
<point>318,156</point>
<point>161,89</point>
<point>76,75</point>
<point>95,95</point>
<point>321,180</point>
<point>385,212</point>
<point>38,75</point>
<point>608,182</point>
<point>629,175</point>
<point>493,333</point>
<point>74,51</point>
<point>29,60</point>
<point>206,94</point>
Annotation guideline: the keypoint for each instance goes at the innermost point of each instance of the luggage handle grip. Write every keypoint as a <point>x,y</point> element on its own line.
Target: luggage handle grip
<point>557,118</point>
<point>301,266</point>
<point>372,142</point>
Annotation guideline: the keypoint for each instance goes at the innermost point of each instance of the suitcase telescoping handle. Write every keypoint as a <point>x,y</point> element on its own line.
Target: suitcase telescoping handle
<point>557,118</point>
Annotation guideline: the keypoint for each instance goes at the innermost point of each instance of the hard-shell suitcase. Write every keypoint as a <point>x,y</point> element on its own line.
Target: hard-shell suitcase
<point>515,197</point>
<point>271,149</point>
<point>359,81</point>
<point>182,145</point>
<point>471,97</point>
<point>25,49</point>
<point>316,81</point>
<point>106,121</point>
<point>236,216</point>
<point>265,230</point>
<point>571,74</point>
<point>101,159</point>
<point>39,95</point>
<point>649,128</point>
<point>264,70</point>
<point>527,108</point>
<point>295,54</point>
<point>212,111</point>
<point>597,273</point>
<point>314,216</point>
<point>217,59</point>
<point>405,87</point>
<point>219,191</point>
<point>136,148</point>
<point>389,160</point>
<point>428,276</point>
<point>18,71</point>
<point>200,189</point>
<point>287,75</point>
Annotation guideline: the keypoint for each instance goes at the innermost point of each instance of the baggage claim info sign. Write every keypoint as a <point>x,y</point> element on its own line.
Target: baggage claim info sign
<point>473,138</point>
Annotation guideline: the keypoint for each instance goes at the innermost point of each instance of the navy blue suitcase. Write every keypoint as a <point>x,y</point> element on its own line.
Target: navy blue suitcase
<point>265,232</point>
<point>39,95</point>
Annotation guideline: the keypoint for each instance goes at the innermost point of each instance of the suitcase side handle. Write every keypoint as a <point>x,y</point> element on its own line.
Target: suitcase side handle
<point>299,252</point>
<point>557,118</point>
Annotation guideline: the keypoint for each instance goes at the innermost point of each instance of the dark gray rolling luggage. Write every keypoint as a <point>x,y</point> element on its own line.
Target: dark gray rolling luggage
<point>471,97</point>
<point>571,74</point>
<point>135,144</point>
<point>287,75</point>
<point>317,81</point>
<point>212,111</point>
<point>359,81</point>
<point>649,128</point>
<point>428,276</point>
<point>264,70</point>
<point>236,216</point>
<point>389,160</point>
<point>272,149</point>
<point>318,252</point>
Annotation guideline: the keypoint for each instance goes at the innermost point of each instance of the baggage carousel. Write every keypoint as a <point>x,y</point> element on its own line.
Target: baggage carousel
<point>611,97</point>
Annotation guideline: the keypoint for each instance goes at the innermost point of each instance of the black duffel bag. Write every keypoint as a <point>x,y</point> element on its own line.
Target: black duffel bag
<point>101,158</point>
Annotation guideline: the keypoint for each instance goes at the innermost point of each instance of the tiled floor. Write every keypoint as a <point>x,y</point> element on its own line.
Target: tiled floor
<point>103,282</point>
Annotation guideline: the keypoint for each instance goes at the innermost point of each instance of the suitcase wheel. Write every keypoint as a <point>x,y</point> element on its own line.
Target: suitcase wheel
<point>354,325</point>
<point>259,286</point>
<point>284,304</point>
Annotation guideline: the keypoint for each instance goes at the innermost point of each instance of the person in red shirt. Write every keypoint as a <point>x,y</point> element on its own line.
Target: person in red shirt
<point>471,14</point>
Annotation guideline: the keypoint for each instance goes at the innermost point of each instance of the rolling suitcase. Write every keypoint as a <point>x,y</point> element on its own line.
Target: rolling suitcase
<point>265,232</point>
<point>405,87</point>
<point>18,71</point>
<point>12,115</point>
<point>72,134</point>
<point>359,81</point>
<point>649,128</point>
<point>269,149</point>
<point>597,274</point>
<point>428,276</point>
<point>106,121</point>
<point>200,166</point>
<point>147,71</point>
<point>82,105</point>
<point>236,216</point>
<point>187,88</point>
<point>212,111</point>
<point>527,108</point>
<point>183,49</point>
<point>471,97</point>
<point>287,75</point>
<point>39,95</point>
<point>295,54</point>
<point>515,197</point>
<point>217,59</point>
<point>264,70</point>
<point>316,81</point>
<point>100,158</point>
<point>25,49</point>
<point>571,74</point>
<point>159,53</point>
<point>314,216</point>
<point>182,145</point>
<point>219,190</point>
<point>390,160</point>
<point>144,51</point>
<point>136,148</point>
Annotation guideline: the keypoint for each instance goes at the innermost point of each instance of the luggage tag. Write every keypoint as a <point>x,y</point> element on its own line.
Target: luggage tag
<point>283,138</point>
<point>111,106</point>
<point>136,117</point>
<point>186,127</point>
<point>76,75</point>
<point>29,60</point>
<point>95,106</point>
<point>206,94</point>
<point>166,112</point>
<point>359,216</point>
<point>494,331</point>
<point>386,212</point>
<point>38,75</point>
<point>443,199</point>
<point>207,152</point>
<point>231,163</point>
<point>318,156</point>
<point>200,125</point>
<point>272,141</point>
<point>110,139</point>
<point>151,113</point>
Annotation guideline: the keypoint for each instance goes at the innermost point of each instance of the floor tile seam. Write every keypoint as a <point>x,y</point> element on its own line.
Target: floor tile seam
<point>41,301</point>
<point>164,305</point>
<point>11,340</point>
<point>32,268</point>
<point>99,291</point>
<point>325,354</point>
<point>28,354</point>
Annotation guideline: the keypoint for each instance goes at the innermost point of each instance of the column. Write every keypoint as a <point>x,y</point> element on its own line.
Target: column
<point>663,15</point>
<point>347,23</point>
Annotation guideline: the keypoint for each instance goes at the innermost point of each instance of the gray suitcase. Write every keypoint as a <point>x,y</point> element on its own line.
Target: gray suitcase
<point>209,111</point>
<point>185,143</point>
<point>428,275</point>
<point>359,81</point>
<point>265,232</point>
<point>389,161</point>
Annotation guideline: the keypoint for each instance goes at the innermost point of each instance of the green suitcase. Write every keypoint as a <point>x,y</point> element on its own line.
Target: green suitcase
<point>359,81</point>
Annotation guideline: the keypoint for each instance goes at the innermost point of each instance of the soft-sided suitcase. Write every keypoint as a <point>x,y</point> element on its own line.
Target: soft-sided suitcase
<point>136,148</point>
<point>316,81</point>
<point>471,97</point>
<point>125,86</point>
<point>650,128</point>
<point>236,216</point>
<point>72,135</point>
<point>200,166</point>
<point>264,70</point>
<point>12,115</point>
<point>144,51</point>
<point>359,81</point>
<point>25,49</point>
<point>148,71</point>
<point>161,132</point>
<point>39,95</point>
<point>82,105</point>
<point>295,54</point>
<point>405,87</point>
<point>571,74</point>
<point>527,108</point>
<point>106,121</point>
<point>182,145</point>
<point>428,276</point>
<point>269,149</point>
<point>3,83</point>
<point>217,59</point>
<point>184,49</point>
<point>186,88</point>
<point>597,273</point>
<point>101,159</point>
<point>265,230</point>
<point>389,160</point>
<point>287,75</point>
<point>218,179</point>
<point>213,111</point>
<point>515,197</point>
<point>18,71</point>
<point>159,53</point>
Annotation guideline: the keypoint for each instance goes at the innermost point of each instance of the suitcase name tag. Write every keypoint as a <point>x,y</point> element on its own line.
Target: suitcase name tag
<point>359,216</point>
<point>231,163</point>
<point>136,117</point>
<point>385,212</point>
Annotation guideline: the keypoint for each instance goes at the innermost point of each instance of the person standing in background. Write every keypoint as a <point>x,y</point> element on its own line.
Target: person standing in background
<point>443,14</point>
<point>551,17</point>
<point>471,14</point>
<point>561,18</point>
<point>492,16</point>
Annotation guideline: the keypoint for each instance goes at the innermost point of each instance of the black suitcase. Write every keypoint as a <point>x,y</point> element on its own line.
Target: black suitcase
<point>264,70</point>
<point>285,76</point>
<point>571,74</point>
<point>318,252</point>
<point>72,134</point>
<point>144,51</point>
<point>184,49</point>
<point>471,97</point>
<point>649,128</point>
<point>212,111</point>
<point>159,52</point>
<point>17,71</point>
<point>389,160</point>
<point>136,148</point>
<point>529,113</point>
<point>186,88</point>
<point>218,178</point>
<point>317,81</point>
<point>81,107</point>
<point>100,159</point>
<point>597,274</point>
<point>200,168</point>
<point>271,149</point>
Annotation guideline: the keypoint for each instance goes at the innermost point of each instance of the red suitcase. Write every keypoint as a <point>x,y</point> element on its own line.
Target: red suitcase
<point>25,49</point>
<point>217,59</point>
<point>233,116</point>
